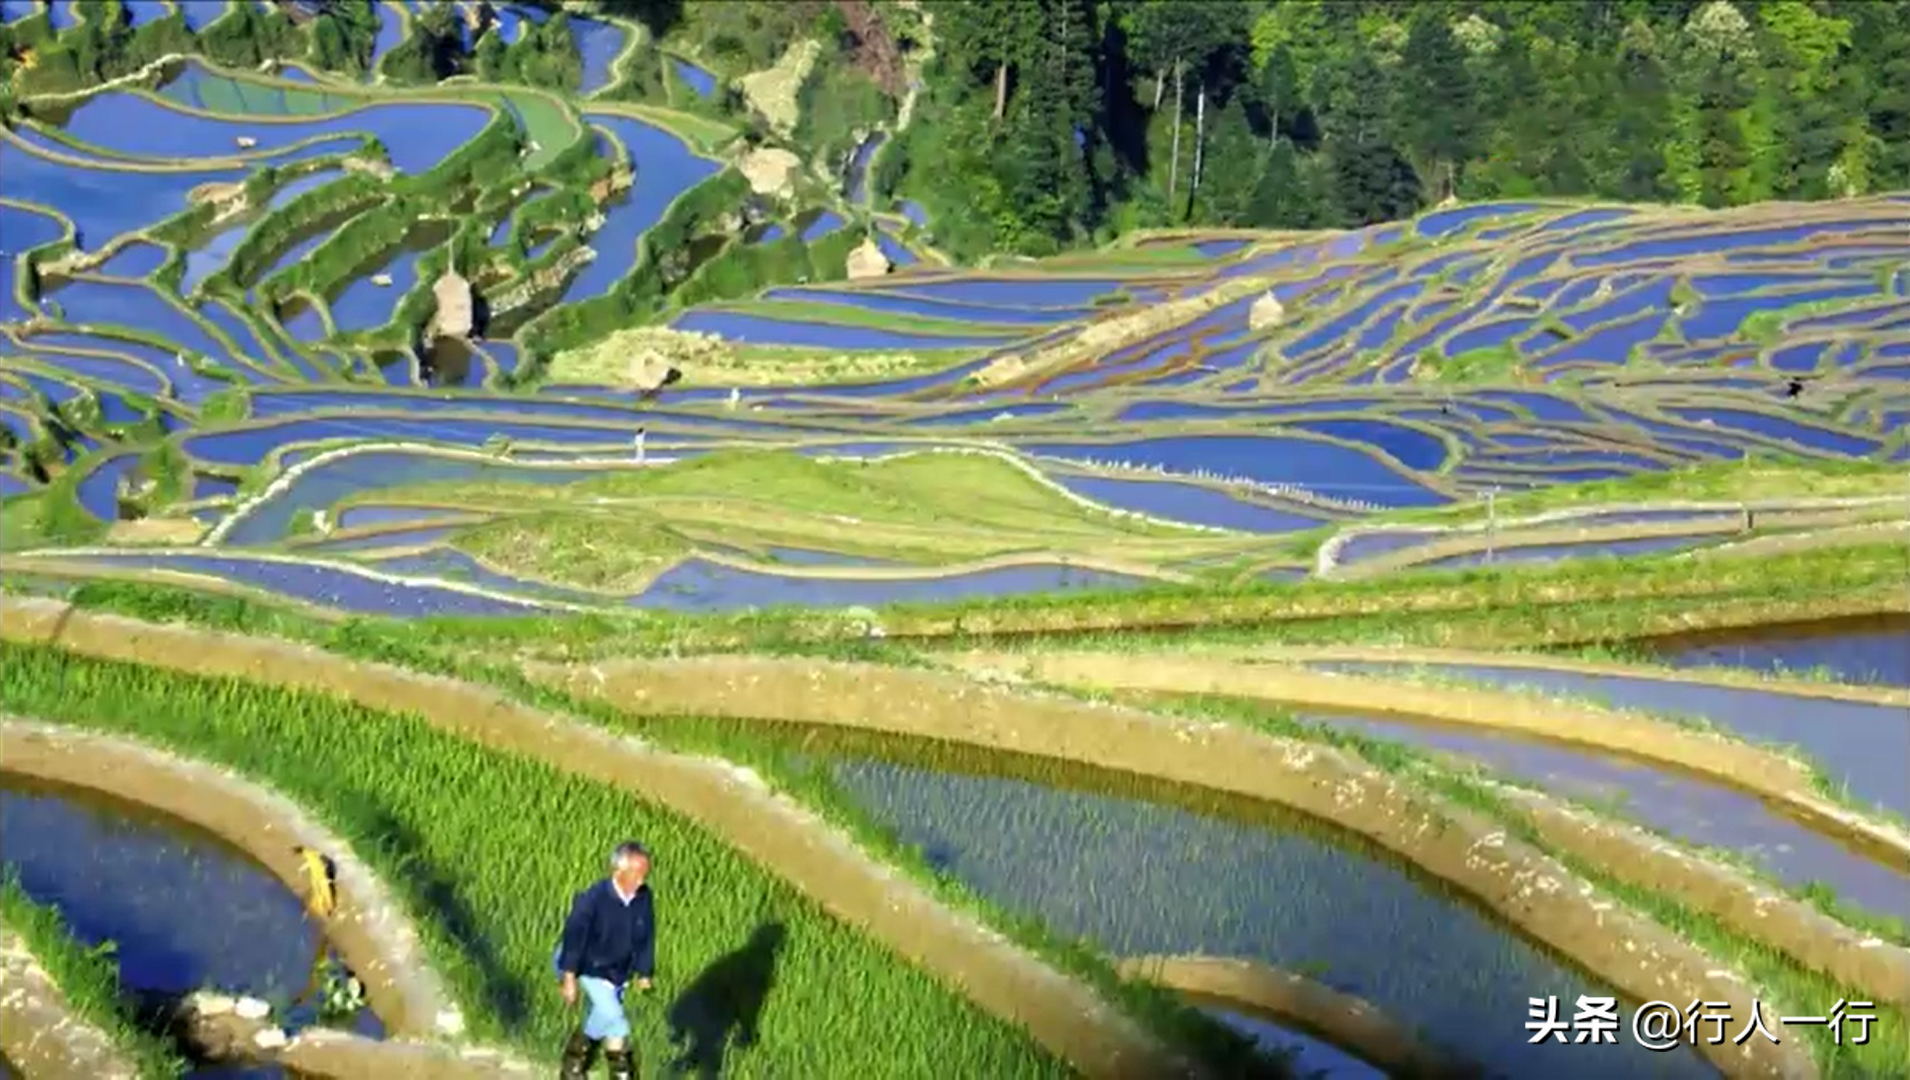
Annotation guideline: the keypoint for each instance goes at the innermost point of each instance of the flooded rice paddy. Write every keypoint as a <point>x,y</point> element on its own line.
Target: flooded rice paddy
<point>145,883</point>
<point>1142,868</point>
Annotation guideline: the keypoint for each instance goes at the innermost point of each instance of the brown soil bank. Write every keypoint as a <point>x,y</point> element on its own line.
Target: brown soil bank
<point>323,1054</point>
<point>1780,781</point>
<point>1720,676</point>
<point>368,928</point>
<point>39,1032</point>
<point>1565,533</point>
<point>1523,887</point>
<point>1283,997</point>
<point>1800,931</point>
<point>789,841</point>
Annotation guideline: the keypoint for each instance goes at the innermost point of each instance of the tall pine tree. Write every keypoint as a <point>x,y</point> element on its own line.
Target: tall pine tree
<point>1438,110</point>
<point>1373,181</point>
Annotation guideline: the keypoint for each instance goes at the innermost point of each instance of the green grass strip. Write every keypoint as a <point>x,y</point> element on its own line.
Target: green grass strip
<point>1602,600</point>
<point>486,849</point>
<point>88,977</point>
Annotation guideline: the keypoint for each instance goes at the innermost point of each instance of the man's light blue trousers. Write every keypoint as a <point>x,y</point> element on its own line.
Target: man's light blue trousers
<point>605,1018</point>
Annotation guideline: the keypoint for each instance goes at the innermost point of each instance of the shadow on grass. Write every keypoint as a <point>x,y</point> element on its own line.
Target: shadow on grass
<point>723,1007</point>
<point>504,993</point>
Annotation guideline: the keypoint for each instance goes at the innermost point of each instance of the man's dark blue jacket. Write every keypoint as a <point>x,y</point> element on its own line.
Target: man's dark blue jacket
<point>604,938</point>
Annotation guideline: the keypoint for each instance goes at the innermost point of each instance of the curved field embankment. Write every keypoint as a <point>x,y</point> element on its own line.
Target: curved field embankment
<point>1634,856</point>
<point>1520,885</point>
<point>1845,536</point>
<point>78,573</point>
<point>1784,782</point>
<point>1860,587</point>
<point>329,1054</point>
<point>40,1033</point>
<point>932,705</point>
<point>1700,517</point>
<point>1709,676</point>
<point>368,927</point>
<point>1566,534</point>
<point>998,976</point>
<point>1347,1022</point>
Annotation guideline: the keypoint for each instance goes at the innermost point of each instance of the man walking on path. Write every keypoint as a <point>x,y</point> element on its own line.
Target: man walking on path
<point>609,939</point>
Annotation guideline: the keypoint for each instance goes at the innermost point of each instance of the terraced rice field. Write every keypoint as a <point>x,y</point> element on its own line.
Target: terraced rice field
<point>1064,651</point>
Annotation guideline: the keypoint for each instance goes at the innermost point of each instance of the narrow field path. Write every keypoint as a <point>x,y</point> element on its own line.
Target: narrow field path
<point>40,1033</point>
<point>1059,1012</point>
<point>1522,886</point>
<point>1756,910</point>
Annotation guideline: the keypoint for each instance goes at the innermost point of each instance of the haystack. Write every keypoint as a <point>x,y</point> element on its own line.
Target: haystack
<point>770,171</point>
<point>867,261</point>
<point>1266,311</point>
<point>455,316</point>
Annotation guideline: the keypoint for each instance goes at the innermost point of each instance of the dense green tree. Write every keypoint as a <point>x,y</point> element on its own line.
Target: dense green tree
<point>345,35</point>
<point>545,56</point>
<point>993,38</point>
<point>488,56</point>
<point>1236,158</point>
<point>1880,148</point>
<point>1632,161</point>
<point>1339,112</point>
<point>1172,37</point>
<point>1438,113</point>
<point>1373,180</point>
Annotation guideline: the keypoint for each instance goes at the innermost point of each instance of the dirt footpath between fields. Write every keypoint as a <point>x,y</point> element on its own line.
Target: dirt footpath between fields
<point>1062,1014</point>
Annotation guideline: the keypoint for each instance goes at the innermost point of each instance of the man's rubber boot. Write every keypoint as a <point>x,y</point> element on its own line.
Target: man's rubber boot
<point>623,1064</point>
<point>580,1053</point>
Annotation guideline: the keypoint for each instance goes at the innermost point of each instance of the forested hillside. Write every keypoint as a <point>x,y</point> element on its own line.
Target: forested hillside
<point>1047,122</point>
<point>1028,126</point>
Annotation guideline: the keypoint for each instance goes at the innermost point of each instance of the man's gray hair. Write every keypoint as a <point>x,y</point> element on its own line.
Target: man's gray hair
<point>629,849</point>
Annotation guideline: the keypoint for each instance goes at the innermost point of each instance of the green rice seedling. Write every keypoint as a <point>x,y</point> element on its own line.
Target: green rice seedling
<point>89,979</point>
<point>485,848</point>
